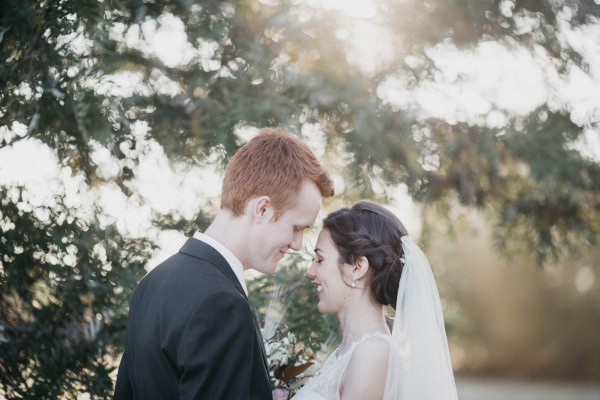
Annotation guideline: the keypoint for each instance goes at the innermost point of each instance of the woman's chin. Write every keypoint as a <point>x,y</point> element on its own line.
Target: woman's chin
<point>323,309</point>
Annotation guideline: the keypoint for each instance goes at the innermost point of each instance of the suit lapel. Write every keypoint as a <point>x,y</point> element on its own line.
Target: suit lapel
<point>198,249</point>
<point>260,340</point>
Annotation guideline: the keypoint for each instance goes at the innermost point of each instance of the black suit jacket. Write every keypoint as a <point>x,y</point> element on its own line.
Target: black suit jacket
<point>191,334</point>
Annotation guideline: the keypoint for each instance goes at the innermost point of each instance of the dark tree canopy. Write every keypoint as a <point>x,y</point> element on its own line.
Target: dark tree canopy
<point>79,74</point>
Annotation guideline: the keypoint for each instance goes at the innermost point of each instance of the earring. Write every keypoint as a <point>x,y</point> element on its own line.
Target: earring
<point>354,284</point>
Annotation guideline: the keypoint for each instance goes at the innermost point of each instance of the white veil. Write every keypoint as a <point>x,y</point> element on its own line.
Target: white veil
<point>419,367</point>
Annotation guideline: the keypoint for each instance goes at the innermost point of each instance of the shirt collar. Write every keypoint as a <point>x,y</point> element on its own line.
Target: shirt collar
<point>233,261</point>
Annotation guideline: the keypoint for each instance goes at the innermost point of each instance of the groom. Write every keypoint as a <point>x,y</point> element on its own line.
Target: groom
<point>191,333</point>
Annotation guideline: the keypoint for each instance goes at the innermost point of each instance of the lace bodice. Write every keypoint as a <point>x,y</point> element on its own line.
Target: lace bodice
<point>325,385</point>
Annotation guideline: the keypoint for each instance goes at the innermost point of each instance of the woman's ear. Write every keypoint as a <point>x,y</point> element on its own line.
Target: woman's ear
<point>360,268</point>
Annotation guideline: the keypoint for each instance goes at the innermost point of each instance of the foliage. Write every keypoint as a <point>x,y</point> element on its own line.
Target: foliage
<point>289,299</point>
<point>296,335</point>
<point>288,361</point>
<point>65,283</point>
<point>78,74</point>
<point>543,198</point>
<point>253,63</point>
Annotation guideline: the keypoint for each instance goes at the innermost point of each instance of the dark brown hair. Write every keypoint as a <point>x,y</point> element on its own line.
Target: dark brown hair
<point>370,230</point>
<point>274,164</point>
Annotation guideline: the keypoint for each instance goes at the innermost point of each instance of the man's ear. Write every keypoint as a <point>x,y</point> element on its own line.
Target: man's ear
<point>262,210</point>
<point>360,268</point>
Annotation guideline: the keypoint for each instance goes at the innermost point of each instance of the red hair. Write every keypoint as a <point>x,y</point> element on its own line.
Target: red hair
<point>274,164</point>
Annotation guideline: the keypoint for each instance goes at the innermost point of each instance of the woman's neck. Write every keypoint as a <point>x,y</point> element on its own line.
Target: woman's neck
<point>361,318</point>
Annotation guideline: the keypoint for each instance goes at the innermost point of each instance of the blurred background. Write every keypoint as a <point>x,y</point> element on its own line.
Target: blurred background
<point>476,121</point>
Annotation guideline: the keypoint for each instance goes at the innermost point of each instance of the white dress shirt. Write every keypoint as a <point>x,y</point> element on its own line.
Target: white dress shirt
<point>233,261</point>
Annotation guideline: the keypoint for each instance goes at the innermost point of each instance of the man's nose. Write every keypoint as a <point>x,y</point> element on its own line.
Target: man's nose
<point>297,241</point>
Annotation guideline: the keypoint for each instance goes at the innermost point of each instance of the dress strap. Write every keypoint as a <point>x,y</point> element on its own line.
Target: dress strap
<point>363,339</point>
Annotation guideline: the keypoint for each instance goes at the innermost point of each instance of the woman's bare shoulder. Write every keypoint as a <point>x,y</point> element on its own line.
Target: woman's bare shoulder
<point>375,348</point>
<point>367,370</point>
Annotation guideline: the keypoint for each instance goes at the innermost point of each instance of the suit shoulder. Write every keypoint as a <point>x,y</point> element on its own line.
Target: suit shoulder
<point>183,278</point>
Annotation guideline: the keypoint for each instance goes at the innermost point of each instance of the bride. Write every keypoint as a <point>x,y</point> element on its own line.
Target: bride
<point>364,260</point>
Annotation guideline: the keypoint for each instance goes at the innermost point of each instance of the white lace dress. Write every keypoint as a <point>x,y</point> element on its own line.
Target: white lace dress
<point>325,385</point>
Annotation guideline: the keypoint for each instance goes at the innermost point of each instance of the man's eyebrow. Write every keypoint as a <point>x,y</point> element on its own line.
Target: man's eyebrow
<point>303,226</point>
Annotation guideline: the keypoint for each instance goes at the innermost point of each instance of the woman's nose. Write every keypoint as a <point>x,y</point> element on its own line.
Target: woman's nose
<point>310,271</point>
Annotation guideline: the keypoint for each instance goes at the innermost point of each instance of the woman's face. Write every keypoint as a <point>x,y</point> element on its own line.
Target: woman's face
<point>326,274</point>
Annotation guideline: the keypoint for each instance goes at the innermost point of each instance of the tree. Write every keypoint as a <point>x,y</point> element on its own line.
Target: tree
<point>82,75</point>
<point>66,282</point>
<point>263,64</point>
<point>291,297</point>
<point>537,187</point>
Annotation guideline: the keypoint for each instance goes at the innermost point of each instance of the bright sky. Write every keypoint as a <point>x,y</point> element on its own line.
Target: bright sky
<point>494,80</point>
<point>481,86</point>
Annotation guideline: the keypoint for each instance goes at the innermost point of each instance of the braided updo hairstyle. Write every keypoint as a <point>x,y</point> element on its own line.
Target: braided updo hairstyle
<point>370,230</point>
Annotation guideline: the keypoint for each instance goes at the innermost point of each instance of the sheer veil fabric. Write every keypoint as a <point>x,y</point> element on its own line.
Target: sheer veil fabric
<point>419,366</point>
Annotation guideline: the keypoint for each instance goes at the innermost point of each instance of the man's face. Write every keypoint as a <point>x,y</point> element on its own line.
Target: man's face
<point>275,238</point>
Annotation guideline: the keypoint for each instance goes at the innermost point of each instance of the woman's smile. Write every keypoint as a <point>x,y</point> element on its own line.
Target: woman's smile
<point>319,289</point>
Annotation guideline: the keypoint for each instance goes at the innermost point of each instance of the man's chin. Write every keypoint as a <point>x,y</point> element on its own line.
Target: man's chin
<point>270,270</point>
